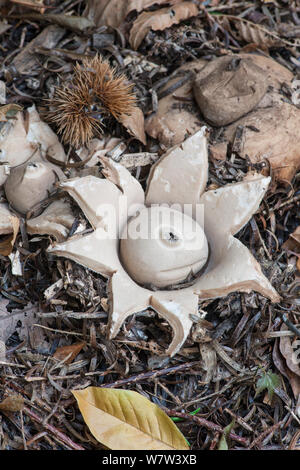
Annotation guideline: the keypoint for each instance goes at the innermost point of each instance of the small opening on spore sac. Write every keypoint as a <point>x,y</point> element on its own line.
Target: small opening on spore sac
<point>172,237</point>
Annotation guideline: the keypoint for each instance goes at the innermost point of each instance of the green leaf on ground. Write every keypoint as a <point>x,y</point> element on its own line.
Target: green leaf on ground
<point>268,381</point>
<point>223,445</point>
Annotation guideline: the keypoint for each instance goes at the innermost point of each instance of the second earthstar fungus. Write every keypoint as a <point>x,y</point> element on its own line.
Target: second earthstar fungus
<point>185,256</point>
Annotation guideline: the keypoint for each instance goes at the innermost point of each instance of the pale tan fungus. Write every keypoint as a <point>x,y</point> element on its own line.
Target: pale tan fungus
<point>229,266</point>
<point>27,138</point>
<point>56,221</point>
<point>29,184</point>
<point>6,225</point>
<point>173,247</point>
<point>232,89</point>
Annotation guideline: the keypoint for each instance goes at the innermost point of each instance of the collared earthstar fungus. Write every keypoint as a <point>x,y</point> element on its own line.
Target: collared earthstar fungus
<point>155,253</point>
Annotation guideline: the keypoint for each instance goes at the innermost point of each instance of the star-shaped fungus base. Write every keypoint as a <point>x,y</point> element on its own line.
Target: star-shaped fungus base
<point>179,178</point>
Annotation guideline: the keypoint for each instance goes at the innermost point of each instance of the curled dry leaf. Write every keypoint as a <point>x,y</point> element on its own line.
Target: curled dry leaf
<point>7,245</point>
<point>125,420</point>
<point>209,359</point>
<point>134,123</point>
<point>252,33</point>
<point>290,349</point>
<point>283,368</point>
<point>68,353</point>
<point>159,20</point>
<point>12,403</point>
<point>255,33</point>
<point>113,12</point>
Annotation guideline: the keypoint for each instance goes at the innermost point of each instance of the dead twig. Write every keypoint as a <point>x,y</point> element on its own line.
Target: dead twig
<point>152,374</point>
<point>207,424</point>
<point>49,427</point>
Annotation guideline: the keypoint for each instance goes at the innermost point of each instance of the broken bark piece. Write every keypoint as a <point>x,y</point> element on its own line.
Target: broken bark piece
<point>27,60</point>
<point>161,245</point>
<point>233,88</point>
<point>55,221</point>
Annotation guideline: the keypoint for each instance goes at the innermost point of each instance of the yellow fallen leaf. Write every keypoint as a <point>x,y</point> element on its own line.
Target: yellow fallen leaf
<point>125,420</point>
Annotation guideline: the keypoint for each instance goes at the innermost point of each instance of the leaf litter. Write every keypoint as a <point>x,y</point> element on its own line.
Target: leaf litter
<point>55,345</point>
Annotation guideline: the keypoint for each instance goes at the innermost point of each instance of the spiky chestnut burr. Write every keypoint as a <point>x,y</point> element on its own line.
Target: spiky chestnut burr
<point>96,92</point>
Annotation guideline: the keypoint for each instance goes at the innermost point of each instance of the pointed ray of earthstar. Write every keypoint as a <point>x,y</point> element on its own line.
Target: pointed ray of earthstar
<point>125,298</point>
<point>229,208</point>
<point>180,176</point>
<point>122,178</point>
<point>176,306</point>
<point>92,194</point>
<point>107,202</point>
<point>94,251</point>
<point>233,268</point>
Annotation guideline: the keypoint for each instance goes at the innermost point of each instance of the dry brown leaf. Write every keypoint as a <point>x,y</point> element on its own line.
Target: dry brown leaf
<point>12,403</point>
<point>293,242</point>
<point>290,349</point>
<point>159,20</point>
<point>69,352</point>
<point>134,123</point>
<point>125,420</point>
<point>251,33</point>
<point>6,245</point>
<point>281,365</point>
<point>113,12</point>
